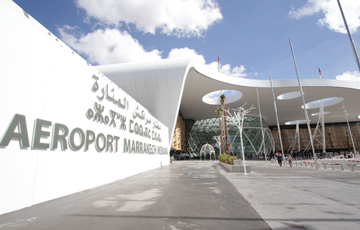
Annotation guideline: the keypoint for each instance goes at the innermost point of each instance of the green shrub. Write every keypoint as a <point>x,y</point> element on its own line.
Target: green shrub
<point>228,159</point>
<point>222,158</point>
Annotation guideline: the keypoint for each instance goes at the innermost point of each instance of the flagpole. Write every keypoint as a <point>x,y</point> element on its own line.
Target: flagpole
<point>303,100</point>
<point>350,37</point>
<point>262,129</point>
<point>277,119</point>
<point>218,63</point>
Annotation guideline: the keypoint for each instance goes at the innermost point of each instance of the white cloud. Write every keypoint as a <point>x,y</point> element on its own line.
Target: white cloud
<point>110,46</point>
<point>349,76</point>
<point>186,52</point>
<point>237,71</point>
<point>214,95</point>
<point>107,46</point>
<point>332,16</point>
<point>171,17</point>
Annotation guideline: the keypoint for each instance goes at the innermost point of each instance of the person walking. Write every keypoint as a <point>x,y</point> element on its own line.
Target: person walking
<point>280,158</point>
<point>290,160</point>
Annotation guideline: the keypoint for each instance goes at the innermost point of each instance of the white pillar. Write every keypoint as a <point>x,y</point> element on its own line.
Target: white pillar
<point>305,110</point>
<point>347,121</point>
<point>262,129</point>
<point>277,119</point>
<point>298,134</point>
<point>242,145</point>
<point>323,125</point>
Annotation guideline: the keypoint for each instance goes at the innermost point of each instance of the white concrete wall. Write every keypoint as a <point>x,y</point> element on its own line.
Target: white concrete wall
<point>158,85</point>
<point>43,79</point>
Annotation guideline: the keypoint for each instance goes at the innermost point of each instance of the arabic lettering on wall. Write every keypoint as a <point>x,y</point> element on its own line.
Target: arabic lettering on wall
<point>60,136</point>
<point>96,114</point>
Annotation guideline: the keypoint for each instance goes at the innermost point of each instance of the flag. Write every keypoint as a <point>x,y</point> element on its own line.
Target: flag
<point>319,72</point>
<point>219,63</point>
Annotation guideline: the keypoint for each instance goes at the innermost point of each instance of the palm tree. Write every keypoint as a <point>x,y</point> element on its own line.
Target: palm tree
<point>222,100</point>
<point>219,111</point>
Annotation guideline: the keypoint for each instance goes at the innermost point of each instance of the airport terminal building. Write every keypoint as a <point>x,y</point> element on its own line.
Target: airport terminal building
<point>67,126</point>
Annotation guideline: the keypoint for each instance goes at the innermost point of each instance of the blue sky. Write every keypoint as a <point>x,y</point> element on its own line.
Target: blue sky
<point>249,36</point>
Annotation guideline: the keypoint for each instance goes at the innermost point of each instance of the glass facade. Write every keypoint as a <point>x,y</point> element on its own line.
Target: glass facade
<point>204,130</point>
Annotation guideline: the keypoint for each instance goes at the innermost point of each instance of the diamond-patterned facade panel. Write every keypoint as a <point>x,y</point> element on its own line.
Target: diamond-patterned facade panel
<point>204,130</point>
<point>337,138</point>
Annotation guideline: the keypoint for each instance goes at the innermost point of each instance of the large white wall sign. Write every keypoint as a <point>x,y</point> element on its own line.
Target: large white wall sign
<point>64,126</point>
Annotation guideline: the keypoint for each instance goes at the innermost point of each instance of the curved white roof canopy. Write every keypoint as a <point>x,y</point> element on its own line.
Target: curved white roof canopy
<point>166,86</point>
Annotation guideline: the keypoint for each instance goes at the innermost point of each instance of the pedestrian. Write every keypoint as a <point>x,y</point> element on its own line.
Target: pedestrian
<point>280,158</point>
<point>290,160</point>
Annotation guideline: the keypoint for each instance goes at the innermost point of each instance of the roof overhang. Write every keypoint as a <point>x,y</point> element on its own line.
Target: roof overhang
<point>201,82</point>
<point>168,86</point>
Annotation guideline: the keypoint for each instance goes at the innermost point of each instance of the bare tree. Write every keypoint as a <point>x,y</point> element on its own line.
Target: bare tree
<point>238,118</point>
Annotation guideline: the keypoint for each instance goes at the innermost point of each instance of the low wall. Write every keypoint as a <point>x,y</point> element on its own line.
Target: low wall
<point>235,168</point>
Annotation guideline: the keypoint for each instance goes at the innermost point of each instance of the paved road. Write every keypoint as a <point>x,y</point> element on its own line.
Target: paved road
<point>184,195</point>
<point>201,195</point>
<point>301,198</point>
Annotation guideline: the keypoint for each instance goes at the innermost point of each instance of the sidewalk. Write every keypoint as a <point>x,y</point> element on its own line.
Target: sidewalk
<point>301,198</point>
<point>201,195</point>
<point>183,195</point>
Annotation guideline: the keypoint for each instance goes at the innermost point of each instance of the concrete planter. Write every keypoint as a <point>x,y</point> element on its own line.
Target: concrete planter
<point>238,168</point>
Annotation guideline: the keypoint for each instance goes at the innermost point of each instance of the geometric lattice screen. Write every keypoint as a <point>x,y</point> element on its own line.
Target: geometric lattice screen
<point>204,130</point>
